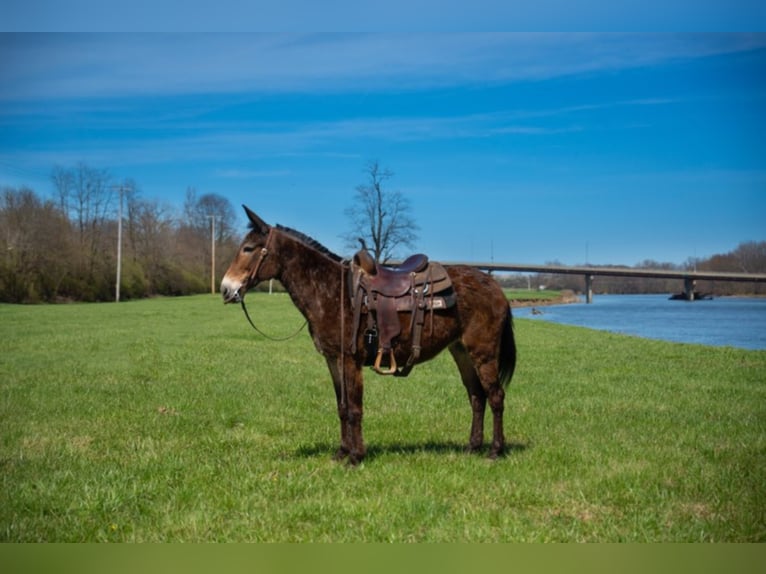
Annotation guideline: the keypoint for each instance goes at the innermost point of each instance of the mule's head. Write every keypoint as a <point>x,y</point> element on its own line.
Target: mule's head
<point>252,262</point>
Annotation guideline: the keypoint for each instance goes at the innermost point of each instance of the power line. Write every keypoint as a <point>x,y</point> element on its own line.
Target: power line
<point>119,248</point>
<point>212,250</point>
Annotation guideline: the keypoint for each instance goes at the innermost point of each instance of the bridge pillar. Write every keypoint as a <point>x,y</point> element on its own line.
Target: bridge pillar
<point>689,285</point>
<point>589,289</point>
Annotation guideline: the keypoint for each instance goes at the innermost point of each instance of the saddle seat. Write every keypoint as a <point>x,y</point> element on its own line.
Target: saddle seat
<point>397,281</point>
<point>382,292</point>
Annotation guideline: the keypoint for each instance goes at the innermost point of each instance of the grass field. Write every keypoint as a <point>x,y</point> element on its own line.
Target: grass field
<point>171,420</point>
<point>532,294</point>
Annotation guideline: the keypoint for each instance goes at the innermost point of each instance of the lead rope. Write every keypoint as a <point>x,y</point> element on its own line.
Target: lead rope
<point>269,337</point>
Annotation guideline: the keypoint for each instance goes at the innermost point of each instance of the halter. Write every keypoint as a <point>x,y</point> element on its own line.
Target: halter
<point>253,279</point>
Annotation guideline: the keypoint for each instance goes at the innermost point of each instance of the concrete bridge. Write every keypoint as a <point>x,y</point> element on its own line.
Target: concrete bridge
<point>689,278</point>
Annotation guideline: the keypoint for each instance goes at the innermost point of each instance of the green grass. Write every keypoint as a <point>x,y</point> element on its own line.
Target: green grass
<point>171,420</point>
<point>531,294</point>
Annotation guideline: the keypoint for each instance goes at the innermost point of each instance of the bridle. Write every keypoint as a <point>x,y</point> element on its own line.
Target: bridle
<point>253,278</point>
<point>253,281</point>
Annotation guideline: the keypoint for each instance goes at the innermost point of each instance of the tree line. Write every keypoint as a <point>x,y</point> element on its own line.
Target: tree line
<point>64,248</point>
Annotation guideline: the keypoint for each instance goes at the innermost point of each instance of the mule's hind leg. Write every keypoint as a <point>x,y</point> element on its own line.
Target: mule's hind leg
<point>496,404</point>
<point>482,384</point>
<point>476,394</point>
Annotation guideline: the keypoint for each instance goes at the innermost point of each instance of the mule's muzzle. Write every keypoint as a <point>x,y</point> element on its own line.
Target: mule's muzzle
<point>230,292</point>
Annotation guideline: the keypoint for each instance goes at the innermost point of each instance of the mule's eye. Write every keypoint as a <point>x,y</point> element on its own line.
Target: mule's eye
<point>248,249</point>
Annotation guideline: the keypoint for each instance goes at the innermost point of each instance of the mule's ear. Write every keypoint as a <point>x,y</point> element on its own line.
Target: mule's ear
<point>257,223</point>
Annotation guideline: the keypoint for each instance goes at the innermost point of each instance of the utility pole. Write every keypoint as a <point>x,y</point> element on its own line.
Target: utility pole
<point>119,250</point>
<point>212,252</point>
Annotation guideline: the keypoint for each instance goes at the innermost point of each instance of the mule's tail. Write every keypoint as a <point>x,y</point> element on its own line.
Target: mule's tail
<point>507,351</point>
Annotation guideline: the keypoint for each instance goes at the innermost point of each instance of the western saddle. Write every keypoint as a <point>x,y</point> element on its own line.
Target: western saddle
<point>381,292</point>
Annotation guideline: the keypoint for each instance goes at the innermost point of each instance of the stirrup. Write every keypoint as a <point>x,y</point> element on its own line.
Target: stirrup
<point>392,366</point>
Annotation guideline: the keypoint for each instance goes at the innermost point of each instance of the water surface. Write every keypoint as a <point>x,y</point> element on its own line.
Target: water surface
<point>726,321</point>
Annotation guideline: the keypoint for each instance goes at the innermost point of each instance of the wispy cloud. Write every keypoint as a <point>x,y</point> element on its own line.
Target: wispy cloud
<point>106,65</point>
<point>233,141</point>
<point>237,173</point>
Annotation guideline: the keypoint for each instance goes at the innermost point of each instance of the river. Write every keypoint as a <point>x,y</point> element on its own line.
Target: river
<point>726,321</point>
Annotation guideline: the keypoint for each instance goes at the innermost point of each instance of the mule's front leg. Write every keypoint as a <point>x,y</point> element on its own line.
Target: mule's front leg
<point>349,394</point>
<point>354,400</point>
<point>351,441</point>
<point>345,445</point>
<point>340,398</point>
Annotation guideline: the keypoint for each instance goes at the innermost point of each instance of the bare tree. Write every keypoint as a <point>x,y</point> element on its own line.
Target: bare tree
<point>199,210</point>
<point>380,216</point>
<point>751,256</point>
<point>195,230</point>
<point>35,246</point>
<point>85,195</point>
<point>151,236</point>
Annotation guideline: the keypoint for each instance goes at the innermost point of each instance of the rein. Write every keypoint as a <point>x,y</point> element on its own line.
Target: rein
<point>269,337</point>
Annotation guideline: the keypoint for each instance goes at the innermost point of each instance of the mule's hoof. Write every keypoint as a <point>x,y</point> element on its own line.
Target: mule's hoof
<point>355,458</point>
<point>473,448</point>
<point>496,453</point>
<point>340,454</point>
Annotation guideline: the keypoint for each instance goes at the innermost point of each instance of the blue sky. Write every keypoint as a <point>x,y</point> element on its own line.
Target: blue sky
<point>512,147</point>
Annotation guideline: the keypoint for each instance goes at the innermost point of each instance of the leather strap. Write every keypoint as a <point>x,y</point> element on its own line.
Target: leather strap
<point>264,252</point>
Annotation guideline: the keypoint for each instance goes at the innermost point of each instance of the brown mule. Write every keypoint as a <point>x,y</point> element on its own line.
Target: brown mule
<point>477,329</point>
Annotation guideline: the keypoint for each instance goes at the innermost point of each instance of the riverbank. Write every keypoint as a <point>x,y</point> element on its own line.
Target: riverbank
<point>519,299</point>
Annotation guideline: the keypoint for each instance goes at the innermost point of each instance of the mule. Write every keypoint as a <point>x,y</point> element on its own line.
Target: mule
<point>477,329</point>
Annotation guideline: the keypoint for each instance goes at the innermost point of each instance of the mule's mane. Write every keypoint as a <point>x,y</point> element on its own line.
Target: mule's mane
<point>313,243</point>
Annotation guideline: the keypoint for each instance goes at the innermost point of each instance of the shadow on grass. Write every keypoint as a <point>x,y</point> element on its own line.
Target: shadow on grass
<point>405,449</point>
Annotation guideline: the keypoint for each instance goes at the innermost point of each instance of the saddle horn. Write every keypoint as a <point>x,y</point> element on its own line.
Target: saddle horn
<point>364,259</point>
